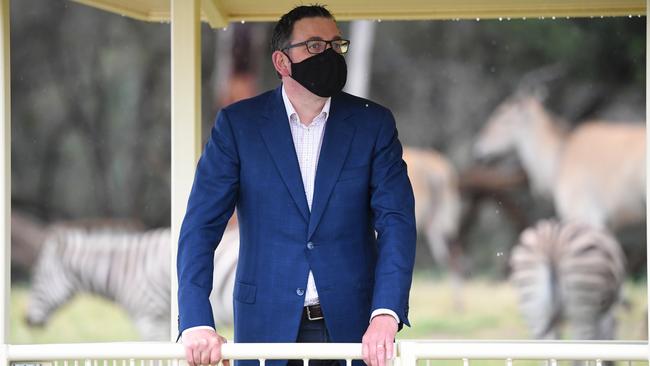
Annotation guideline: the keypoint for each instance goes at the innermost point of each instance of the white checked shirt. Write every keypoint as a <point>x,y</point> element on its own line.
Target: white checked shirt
<point>308,140</point>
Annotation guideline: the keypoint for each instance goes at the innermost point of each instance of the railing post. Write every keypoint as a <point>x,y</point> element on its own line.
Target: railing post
<point>4,351</point>
<point>407,356</point>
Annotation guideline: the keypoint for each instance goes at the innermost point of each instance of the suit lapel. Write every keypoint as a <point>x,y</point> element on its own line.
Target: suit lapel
<point>336,144</point>
<point>276,134</point>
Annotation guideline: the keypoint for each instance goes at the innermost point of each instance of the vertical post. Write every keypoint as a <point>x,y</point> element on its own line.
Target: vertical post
<point>186,121</point>
<point>362,37</point>
<point>5,175</point>
<point>406,355</point>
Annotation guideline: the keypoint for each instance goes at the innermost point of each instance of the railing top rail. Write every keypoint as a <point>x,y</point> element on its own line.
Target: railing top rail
<point>167,350</point>
<point>528,350</point>
<point>524,341</point>
<point>418,349</point>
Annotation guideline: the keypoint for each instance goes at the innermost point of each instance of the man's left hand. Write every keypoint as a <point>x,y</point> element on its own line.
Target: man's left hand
<point>379,339</point>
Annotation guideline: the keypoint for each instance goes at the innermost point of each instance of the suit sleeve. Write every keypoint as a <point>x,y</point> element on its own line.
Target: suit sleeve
<point>210,206</point>
<point>393,210</point>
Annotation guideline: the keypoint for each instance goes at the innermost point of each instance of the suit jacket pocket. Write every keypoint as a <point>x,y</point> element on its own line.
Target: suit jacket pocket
<point>244,292</point>
<point>353,173</point>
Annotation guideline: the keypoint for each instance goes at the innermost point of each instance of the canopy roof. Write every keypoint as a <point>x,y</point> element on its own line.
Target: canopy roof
<point>221,12</point>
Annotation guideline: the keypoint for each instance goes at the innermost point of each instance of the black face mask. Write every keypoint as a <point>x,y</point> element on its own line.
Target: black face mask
<point>323,74</point>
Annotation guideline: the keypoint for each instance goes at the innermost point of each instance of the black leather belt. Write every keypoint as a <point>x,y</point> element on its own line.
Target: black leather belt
<point>312,312</point>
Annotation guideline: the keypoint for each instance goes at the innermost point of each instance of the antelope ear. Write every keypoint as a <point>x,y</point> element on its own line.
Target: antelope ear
<point>534,83</point>
<point>538,92</point>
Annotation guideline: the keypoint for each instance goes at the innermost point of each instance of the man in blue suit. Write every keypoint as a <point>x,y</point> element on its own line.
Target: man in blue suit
<point>324,204</point>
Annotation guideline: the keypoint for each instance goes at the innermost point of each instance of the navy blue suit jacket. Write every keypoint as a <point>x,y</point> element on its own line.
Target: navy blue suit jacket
<point>361,187</point>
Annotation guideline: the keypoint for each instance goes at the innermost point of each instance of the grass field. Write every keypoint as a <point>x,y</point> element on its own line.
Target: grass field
<point>489,311</point>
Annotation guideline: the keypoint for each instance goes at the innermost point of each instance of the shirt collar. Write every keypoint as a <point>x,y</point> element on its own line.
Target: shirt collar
<point>292,115</point>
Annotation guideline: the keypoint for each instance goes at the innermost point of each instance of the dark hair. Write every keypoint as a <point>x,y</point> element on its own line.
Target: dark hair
<point>283,29</point>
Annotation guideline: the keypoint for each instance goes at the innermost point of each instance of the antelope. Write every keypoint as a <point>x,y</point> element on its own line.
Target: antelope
<point>594,174</point>
<point>437,210</point>
<point>437,201</point>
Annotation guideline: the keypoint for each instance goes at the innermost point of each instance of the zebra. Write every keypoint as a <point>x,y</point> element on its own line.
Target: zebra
<point>568,272</point>
<point>130,268</point>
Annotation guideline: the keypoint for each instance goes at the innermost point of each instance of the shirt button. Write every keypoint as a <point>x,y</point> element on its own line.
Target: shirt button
<point>310,245</point>
<point>300,292</point>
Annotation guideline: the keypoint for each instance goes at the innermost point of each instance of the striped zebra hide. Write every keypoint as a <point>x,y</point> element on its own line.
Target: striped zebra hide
<point>130,268</point>
<point>568,273</point>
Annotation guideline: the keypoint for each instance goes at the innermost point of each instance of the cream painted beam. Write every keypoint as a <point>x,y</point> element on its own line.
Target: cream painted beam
<point>150,10</point>
<point>186,121</point>
<point>250,10</point>
<point>5,171</point>
<point>221,12</point>
<point>214,13</point>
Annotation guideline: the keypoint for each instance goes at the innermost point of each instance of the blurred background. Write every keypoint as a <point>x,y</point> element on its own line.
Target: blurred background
<point>91,157</point>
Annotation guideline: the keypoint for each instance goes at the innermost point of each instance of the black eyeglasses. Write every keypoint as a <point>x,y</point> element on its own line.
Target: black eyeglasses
<point>316,46</point>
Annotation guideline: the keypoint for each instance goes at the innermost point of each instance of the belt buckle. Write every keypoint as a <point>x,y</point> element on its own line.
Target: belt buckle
<point>313,318</point>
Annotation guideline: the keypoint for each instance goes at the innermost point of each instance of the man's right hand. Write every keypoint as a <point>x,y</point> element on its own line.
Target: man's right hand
<point>203,347</point>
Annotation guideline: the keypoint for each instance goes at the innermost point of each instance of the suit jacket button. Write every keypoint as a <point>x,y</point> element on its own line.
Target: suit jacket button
<point>310,245</point>
<point>300,292</point>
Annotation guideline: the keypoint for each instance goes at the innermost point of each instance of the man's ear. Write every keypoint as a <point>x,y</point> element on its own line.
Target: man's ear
<point>281,63</point>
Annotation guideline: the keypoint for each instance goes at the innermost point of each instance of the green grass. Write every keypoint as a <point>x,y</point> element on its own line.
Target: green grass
<point>486,310</point>
<point>84,319</point>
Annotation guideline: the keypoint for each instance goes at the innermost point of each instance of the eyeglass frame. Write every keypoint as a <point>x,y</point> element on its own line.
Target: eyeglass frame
<point>330,42</point>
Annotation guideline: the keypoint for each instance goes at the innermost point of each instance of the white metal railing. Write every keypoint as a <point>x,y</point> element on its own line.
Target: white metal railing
<point>408,352</point>
<point>412,351</point>
<point>164,351</point>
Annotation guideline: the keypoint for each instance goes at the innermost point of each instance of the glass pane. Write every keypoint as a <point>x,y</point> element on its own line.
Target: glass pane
<point>497,122</point>
<point>90,173</point>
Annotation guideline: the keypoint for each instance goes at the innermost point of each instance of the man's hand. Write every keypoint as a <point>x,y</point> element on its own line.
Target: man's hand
<point>203,347</point>
<point>378,340</point>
